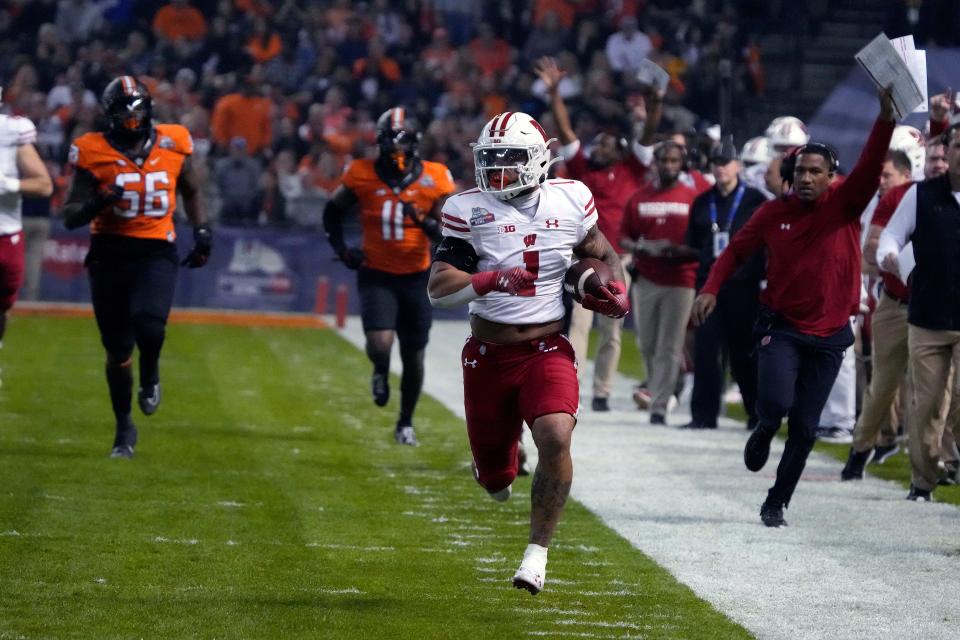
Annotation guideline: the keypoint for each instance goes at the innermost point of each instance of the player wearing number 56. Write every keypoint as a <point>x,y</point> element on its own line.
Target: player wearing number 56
<point>125,185</point>
<point>506,247</point>
<point>399,197</point>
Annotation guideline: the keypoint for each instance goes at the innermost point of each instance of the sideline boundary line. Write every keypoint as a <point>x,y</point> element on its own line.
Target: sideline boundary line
<point>190,315</point>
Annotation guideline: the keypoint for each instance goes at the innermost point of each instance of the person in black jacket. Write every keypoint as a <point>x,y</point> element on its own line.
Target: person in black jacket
<point>716,215</point>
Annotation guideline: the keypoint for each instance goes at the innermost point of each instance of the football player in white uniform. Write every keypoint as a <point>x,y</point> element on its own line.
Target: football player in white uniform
<point>506,247</point>
<point>22,173</point>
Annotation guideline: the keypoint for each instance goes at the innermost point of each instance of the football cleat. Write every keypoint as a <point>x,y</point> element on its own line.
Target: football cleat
<point>149,399</point>
<point>124,441</point>
<point>380,387</point>
<point>503,495</point>
<point>530,575</point>
<point>406,435</point>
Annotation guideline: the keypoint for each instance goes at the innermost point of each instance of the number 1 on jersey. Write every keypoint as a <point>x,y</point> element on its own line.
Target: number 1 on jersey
<point>391,219</point>
<point>531,262</point>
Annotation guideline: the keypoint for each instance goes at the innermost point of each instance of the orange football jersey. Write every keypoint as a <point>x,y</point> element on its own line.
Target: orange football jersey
<point>149,188</point>
<point>391,241</point>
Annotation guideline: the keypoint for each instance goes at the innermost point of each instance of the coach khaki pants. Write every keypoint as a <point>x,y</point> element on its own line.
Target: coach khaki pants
<point>660,317</point>
<point>890,357</point>
<point>608,340</point>
<point>931,355</point>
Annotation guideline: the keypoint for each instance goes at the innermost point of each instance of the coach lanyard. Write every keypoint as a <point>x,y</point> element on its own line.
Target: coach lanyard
<point>737,197</point>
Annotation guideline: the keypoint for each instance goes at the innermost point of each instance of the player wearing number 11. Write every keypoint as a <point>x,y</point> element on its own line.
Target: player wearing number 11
<point>399,197</point>
<point>125,185</point>
<point>506,247</point>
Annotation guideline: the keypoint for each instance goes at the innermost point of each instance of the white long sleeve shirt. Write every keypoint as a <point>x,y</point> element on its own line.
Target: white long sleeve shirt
<point>896,235</point>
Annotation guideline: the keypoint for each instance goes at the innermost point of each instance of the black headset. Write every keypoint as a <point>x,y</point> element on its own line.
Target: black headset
<point>789,163</point>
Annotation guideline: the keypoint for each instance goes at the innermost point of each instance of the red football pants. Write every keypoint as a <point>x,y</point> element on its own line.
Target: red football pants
<point>11,269</point>
<point>507,385</point>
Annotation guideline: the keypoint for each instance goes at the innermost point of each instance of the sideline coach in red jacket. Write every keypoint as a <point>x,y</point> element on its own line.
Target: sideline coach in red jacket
<point>812,237</point>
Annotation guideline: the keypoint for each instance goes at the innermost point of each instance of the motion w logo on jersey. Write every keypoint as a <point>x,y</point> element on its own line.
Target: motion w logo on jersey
<point>530,240</point>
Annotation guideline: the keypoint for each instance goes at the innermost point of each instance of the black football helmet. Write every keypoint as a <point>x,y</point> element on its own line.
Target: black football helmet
<point>128,107</point>
<point>398,136</point>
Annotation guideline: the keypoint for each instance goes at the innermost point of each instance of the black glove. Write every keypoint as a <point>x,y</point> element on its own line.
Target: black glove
<point>429,224</point>
<point>352,257</point>
<point>107,196</point>
<point>410,211</point>
<point>202,246</point>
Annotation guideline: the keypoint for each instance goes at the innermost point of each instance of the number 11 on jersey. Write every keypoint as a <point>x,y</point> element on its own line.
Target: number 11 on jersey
<point>391,219</point>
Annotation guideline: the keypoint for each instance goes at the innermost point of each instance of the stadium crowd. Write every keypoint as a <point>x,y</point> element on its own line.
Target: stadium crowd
<point>279,96</point>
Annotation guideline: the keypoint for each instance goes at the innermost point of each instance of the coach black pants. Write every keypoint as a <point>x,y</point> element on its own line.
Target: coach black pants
<point>796,372</point>
<point>727,334</point>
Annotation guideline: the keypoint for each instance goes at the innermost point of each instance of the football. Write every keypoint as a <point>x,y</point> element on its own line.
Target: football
<point>586,276</point>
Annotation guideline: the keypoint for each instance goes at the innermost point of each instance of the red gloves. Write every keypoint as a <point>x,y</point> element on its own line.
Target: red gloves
<point>613,302</point>
<point>510,281</point>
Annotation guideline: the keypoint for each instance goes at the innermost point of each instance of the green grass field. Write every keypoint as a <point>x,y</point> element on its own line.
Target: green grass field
<point>896,468</point>
<point>268,500</point>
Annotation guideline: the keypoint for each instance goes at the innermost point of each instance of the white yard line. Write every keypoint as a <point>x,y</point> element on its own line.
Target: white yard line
<point>857,561</point>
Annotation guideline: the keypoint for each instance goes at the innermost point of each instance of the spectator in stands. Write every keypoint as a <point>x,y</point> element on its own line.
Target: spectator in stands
<point>549,38</point>
<point>492,55</point>
<point>238,182</point>
<point>628,47</point>
<point>245,114</point>
<point>264,43</point>
<point>179,20</point>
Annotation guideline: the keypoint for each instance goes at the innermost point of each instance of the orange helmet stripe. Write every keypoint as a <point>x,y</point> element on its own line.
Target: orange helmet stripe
<point>129,84</point>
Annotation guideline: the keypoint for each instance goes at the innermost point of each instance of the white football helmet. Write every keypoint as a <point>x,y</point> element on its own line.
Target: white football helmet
<point>511,141</point>
<point>756,151</point>
<point>909,140</point>
<point>786,132</point>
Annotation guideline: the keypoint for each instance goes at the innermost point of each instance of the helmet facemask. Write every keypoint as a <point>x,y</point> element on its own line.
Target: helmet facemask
<point>506,171</point>
<point>400,148</point>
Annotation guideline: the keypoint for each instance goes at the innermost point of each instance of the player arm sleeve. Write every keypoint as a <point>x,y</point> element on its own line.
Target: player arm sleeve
<point>82,203</point>
<point>896,234</point>
<point>338,204</point>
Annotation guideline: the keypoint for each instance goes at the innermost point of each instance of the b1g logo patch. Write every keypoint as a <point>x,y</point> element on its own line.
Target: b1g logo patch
<point>506,228</point>
<point>764,341</point>
<point>479,215</point>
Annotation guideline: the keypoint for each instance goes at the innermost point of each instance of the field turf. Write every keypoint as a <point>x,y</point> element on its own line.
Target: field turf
<point>267,499</point>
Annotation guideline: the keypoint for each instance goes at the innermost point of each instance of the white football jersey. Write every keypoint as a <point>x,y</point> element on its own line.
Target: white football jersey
<point>504,237</point>
<point>14,133</point>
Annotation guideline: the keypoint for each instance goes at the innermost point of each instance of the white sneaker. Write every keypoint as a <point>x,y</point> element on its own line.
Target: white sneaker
<point>407,436</point>
<point>532,571</point>
<point>529,578</point>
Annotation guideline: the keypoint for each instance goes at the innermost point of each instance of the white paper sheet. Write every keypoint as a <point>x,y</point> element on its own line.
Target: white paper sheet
<point>653,74</point>
<point>916,61</point>
<point>886,68</point>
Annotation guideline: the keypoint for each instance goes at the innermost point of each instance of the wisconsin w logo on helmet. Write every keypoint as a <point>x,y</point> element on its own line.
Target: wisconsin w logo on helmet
<point>511,155</point>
